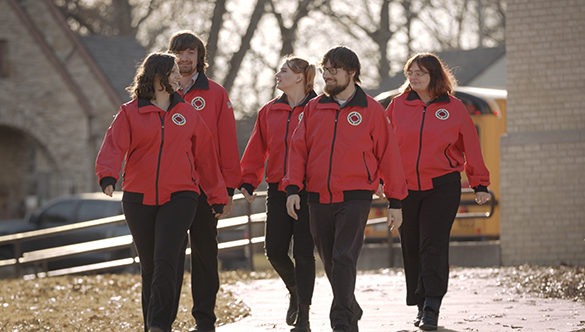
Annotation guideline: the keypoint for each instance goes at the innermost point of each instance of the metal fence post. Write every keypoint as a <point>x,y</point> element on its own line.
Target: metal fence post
<point>250,236</point>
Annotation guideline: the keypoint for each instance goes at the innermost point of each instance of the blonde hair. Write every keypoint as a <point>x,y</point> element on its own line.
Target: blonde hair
<point>302,66</point>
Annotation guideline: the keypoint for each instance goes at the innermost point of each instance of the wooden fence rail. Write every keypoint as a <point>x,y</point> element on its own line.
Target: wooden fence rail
<point>36,261</point>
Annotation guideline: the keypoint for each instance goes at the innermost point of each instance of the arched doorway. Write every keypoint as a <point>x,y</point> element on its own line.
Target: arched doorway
<point>26,175</point>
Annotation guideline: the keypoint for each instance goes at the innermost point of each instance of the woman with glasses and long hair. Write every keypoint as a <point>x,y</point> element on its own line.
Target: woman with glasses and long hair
<point>437,140</point>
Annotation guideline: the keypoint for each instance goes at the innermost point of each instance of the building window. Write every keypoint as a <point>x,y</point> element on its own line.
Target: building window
<point>3,58</point>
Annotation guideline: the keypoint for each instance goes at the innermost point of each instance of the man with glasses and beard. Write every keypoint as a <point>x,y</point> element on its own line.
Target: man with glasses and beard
<point>341,150</point>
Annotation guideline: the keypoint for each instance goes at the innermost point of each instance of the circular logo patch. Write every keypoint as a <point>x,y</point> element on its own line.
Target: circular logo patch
<point>442,114</point>
<point>354,118</point>
<point>198,102</point>
<point>179,119</point>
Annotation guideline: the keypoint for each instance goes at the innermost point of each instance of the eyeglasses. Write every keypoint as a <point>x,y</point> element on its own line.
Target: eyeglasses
<point>416,73</point>
<point>331,70</point>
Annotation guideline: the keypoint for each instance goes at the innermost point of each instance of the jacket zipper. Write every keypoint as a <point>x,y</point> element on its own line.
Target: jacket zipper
<point>447,157</point>
<point>286,142</point>
<point>191,166</point>
<point>367,169</point>
<point>422,124</point>
<point>162,140</point>
<point>331,157</point>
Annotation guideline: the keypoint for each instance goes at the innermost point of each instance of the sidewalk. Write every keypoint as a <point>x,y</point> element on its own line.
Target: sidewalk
<point>475,302</point>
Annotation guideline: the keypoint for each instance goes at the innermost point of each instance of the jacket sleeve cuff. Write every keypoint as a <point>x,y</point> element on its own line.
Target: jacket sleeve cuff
<point>480,188</point>
<point>108,180</point>
<point>217,208</point>
<point>395,203</point>
<point>230,191</point>
<point>249,188</point>
<point>292,190</point>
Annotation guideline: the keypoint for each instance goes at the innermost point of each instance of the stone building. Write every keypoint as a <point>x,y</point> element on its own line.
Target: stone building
<point>543,153</point>
<point>56,102</point>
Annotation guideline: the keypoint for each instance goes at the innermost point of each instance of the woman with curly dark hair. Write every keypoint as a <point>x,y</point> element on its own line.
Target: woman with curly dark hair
<point>164,147</point>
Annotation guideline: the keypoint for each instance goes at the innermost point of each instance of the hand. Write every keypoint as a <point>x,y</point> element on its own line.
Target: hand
<point>394,218</point>
<point>481,197</point>
<point>218,210</point>
<point>380,191</point>
<point>109,190</point>
<point>247,196</point>
<point>293,203</point>
<point>227,209</point>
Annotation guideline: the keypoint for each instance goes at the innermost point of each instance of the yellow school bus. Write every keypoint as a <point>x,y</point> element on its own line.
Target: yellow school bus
<point>487,108</point>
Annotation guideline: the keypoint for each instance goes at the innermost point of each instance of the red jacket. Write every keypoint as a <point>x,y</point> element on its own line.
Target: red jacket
<point>340,153</point>
<point>435,140</point>
<point>212,102</point>
<point>163,152</point>
<point>270,140</point>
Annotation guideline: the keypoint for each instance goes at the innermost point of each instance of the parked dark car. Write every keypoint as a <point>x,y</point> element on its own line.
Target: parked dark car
<point>66,211</point>
<point>89,206</point>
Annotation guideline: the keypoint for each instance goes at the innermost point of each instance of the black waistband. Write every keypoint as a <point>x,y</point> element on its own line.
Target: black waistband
<point>447,178</point>
<point>349,195</point>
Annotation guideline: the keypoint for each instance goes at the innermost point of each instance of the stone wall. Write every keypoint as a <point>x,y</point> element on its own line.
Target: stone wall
<point>543,154</point>
<point>51,100</point>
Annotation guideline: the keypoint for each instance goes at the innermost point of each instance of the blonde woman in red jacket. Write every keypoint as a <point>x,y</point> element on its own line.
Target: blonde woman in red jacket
<point>168,153</point>
<point>437,140</point>
<point>268,145</point>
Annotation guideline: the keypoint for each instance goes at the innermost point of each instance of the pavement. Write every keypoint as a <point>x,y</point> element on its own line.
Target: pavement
<point>476,301</point>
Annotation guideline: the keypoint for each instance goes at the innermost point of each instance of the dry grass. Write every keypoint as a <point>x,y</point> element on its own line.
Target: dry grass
<point>108,302</point>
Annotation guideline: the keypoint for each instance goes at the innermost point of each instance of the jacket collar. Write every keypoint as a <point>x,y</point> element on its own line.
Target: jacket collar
<point>359,99</point>
<point>412,95</point>
<point>283,99</point>
<point>202,82</point>
<point>175,99</point>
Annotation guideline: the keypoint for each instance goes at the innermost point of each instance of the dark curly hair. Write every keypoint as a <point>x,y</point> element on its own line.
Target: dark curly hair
<point>155,65</point>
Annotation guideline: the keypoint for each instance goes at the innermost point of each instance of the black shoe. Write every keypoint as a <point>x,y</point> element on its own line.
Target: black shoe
<point>418,316</point>
<point>302,324</point>
<point>353,326</point>
<point>429,320</point>
<point>293,309</point>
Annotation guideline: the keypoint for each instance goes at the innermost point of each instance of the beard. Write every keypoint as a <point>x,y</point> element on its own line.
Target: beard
<point>186,69</point>
<point>335,89</point>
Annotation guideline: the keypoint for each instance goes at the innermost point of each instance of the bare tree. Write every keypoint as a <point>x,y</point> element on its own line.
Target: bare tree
<point>394,29</point>
<point>107,18</point>
<point>374,22</point>
<point>213,39</point>
<point>237,58</point>
<point>466,23</point>
<point>289,33</point>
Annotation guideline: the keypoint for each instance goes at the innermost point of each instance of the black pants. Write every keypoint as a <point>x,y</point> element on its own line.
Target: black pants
<point>424,236</point>
<point>338,232</point>
<point>159,233</point>
<point>280,229</point>
<point>204,266</point>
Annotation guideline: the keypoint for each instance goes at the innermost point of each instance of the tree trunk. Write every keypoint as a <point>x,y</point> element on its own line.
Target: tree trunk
<point>238,57</point>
